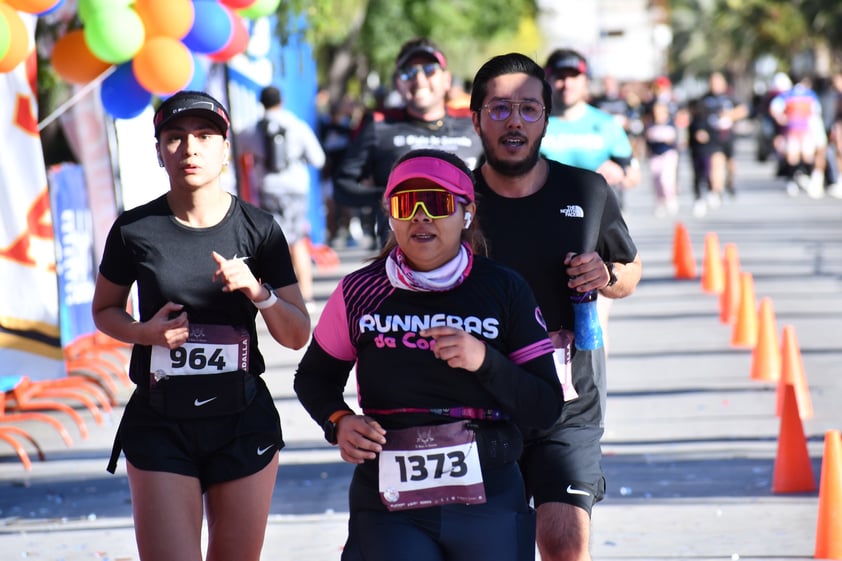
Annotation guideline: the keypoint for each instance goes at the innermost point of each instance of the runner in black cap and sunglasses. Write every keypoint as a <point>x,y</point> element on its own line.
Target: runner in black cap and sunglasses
<point>201,424</point>
<point>423,80</point>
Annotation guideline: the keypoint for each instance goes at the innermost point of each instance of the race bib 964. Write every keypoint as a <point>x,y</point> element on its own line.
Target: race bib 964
<point>210,349</point>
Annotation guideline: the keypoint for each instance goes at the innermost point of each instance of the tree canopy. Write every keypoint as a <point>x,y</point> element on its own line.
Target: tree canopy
<point>355,38</point>
<point>732,34</point>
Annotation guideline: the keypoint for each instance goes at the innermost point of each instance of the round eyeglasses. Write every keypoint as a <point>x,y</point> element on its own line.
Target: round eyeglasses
<point>501,109</point>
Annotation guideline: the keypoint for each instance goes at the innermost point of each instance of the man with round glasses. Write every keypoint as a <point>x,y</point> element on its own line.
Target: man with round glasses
<point>422,80</point>
<point>502,109</point>
<point>561,228</point>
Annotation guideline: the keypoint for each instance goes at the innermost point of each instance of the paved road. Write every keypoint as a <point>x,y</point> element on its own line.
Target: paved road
<point>690,439</point>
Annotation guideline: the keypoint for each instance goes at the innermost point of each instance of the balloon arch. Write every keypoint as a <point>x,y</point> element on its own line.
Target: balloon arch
<point>152,47</point>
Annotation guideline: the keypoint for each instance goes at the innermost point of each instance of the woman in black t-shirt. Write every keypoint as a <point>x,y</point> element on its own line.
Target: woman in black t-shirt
<point>201,422</point>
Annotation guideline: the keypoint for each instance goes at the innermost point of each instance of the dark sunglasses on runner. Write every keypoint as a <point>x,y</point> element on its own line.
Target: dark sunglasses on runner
<point>437,203</point>
<point>501,109</point>
<point>408,73</point>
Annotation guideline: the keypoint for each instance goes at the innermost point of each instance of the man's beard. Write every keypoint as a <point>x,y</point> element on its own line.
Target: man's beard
<point>510,168</point>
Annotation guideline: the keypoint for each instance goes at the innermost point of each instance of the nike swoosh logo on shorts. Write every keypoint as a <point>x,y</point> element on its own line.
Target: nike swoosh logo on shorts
<point>199,403</point>
<point>572,491</point>
<point>261,451</point>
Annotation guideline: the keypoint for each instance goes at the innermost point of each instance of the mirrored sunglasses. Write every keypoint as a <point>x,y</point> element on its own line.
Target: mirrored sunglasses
<point>408,73</point>
<point>436,203</point>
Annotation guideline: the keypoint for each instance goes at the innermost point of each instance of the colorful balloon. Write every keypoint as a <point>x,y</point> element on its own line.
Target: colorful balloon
<point>168,18</point>
<point>163,65</point>
<point>73,61</point>
<point>32,6</point>
<point>114,35</point>
<point>18,39</point>
<point>212,27</point>
<point>238,4</point>
<point>260,8</point>
<point>5,35</point>
<point>57,6</point>
<point>200,74</point>
<point>89,8</point>
<point>121,94</point>
<point>238,43</point>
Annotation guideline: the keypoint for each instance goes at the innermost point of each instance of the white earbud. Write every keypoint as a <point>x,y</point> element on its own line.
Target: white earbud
<point>468,218</point>
<point>160,160</point>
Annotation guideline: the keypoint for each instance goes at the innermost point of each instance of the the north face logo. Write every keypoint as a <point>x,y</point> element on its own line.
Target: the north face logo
<point>572,211</point>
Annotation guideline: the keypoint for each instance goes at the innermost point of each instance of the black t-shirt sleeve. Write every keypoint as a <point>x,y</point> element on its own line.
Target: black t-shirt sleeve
<point>119,257</point>
<point>117,265</point>
<point>274,263</point>
<point>320,382</point>
<point>615,243</point>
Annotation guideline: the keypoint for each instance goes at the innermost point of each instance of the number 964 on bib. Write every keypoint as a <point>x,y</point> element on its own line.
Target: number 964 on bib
<point>210,349</point>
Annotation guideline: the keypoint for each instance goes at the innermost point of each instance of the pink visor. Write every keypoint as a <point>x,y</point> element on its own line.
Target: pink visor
<point>442,173</point>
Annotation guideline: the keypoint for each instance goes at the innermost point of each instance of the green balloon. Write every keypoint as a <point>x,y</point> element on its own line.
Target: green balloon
<point>115,35</point>
<point>89,8</point>
<point>5,36</point>
<point>260,8</point>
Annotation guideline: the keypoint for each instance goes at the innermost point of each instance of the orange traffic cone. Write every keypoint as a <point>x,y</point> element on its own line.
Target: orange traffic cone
<point>766,357</point>
<point>793,471</point>
<point>729,298</point>
<point>745,326</point>
<point>713,273</point>
<point>829,526</point>
<point>792,372</point>
<point>682,254</point>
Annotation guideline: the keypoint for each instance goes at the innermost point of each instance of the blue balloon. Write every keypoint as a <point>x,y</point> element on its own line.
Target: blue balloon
<point>200,74</point>
<point>122,96</point>
<point>212,27</point>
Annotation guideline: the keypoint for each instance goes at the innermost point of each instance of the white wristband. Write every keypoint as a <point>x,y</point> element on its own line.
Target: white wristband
<point>269,302</point>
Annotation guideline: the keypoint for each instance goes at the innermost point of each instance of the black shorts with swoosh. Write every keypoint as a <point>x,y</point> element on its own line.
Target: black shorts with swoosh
<point>212,449</point>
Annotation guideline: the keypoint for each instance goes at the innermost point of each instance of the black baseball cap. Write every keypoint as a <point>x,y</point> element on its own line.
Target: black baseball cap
<point>421,49</point>
<point>195,103</point>
<point>566,59</point>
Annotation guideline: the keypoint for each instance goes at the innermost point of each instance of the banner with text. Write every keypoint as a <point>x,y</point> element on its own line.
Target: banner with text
<point>29,330</point>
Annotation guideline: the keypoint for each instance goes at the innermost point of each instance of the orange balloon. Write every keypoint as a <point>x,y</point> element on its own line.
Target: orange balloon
<point>168,18</point>
<point>32,6</point>
<point>163,65</point>
<point>73,61</point>
<point>18,39</point>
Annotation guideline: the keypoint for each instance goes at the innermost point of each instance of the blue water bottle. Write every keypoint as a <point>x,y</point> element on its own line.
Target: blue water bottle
<point>586,327</point>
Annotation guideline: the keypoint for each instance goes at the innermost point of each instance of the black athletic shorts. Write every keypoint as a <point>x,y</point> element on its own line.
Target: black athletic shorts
<point>565,466</point>
<point>212,449</point>
<point>724,145</point>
